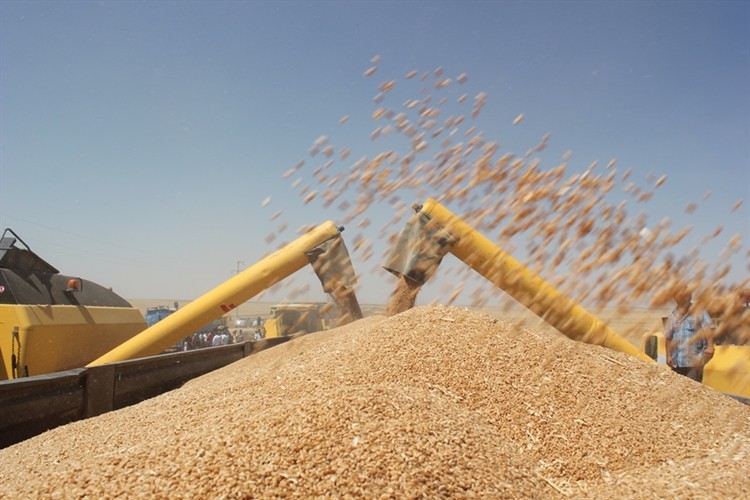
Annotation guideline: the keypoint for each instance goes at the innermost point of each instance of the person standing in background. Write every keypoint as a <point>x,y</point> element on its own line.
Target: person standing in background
<point>688,337</point>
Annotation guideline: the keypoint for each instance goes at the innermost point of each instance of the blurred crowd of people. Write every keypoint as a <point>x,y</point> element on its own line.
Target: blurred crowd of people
<point>221,335</point>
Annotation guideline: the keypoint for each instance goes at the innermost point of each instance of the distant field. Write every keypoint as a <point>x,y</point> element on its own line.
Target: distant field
<point>631,324</point>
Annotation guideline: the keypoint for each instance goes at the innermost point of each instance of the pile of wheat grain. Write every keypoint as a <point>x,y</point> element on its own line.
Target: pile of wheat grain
<point>435,401</point>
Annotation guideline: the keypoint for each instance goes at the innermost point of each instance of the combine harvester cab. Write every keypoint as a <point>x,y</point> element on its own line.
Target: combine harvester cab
<point>50,322</point>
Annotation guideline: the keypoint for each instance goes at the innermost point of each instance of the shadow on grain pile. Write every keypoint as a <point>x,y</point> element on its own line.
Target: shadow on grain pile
<point>436,401</point>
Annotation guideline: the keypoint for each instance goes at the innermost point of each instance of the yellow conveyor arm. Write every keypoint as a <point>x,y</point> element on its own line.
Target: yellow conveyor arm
<point>223,298</point>
<point>560,311</point>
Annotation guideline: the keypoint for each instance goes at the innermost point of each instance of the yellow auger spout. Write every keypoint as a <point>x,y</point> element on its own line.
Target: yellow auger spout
<point>224,298</point>
<point>486,258</point>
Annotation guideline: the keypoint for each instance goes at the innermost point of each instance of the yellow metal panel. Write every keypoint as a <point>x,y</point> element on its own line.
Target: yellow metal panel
<point>729,370</point>
<point>519,282</point>
<point>271,327</point>
<point>7,320</point>
<point>61,337</point>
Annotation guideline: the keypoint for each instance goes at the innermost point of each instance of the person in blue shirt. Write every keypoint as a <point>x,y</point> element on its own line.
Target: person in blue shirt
<point>689,337</point>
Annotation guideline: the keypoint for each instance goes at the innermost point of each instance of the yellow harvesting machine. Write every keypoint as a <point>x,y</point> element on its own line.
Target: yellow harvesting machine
<point>291,319</point>
<point>50,322</point>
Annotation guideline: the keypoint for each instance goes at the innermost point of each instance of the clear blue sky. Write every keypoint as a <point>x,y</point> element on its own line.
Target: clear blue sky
<point>139,139</point>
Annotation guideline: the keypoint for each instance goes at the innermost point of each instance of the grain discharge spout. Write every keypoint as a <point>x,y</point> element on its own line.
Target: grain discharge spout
<point>434,231</point>
<point>322,247</point>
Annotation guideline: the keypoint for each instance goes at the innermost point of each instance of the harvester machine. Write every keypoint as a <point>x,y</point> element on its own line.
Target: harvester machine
<point>50,322</point>
<point>433,231</point>
<point>295,318</point>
